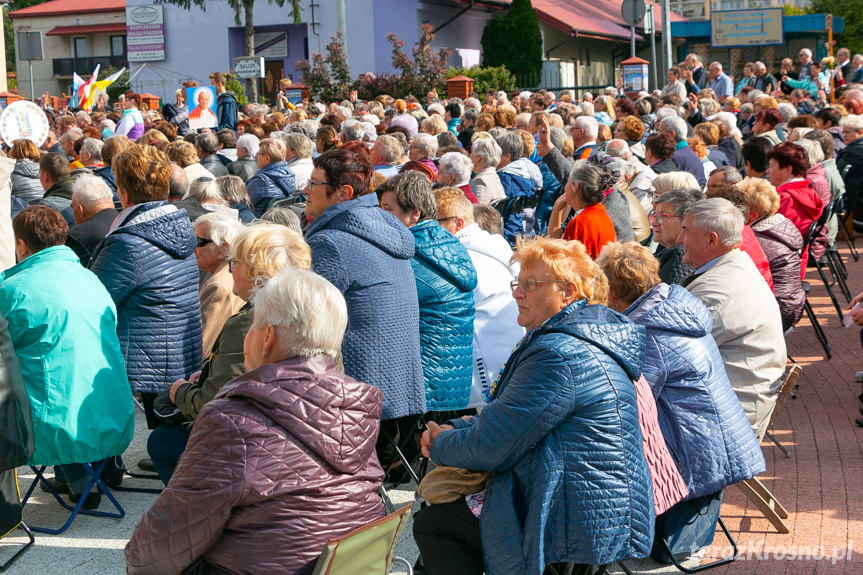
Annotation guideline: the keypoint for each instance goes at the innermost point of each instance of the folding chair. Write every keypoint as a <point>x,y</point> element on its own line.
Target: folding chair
<point>819,331</point>
<point>843,215</point>
<point>765,501</point>
<point>784,393</point>
<point>705,567</point>
<point>95,481</point>
<point>574,569</point>
<point>402,463</point>
<point>139,475</point>
<point>811,235</point>
<point>10,514</point>
<point>369,549</point>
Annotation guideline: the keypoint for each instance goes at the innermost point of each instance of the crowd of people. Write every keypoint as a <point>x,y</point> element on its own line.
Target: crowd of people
<point>586,298</point>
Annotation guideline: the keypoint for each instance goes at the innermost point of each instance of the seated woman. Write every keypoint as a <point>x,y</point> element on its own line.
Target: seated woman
<point>560,436</point>
<point>781,242</point>
<point>63,326</point>
<point>282,460</point>
<point>583,193</point>
<point>667,220</point>
<point>701,418</point>
<point>256,255</point>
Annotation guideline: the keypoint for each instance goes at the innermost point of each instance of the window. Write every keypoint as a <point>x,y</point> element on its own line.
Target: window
<point>79,46</point>
<point>118,45</point>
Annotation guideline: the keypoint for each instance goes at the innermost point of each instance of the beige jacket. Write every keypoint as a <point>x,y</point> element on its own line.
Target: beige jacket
<point>218,303</point>
<point>747,328</point>
<point>486,186</point>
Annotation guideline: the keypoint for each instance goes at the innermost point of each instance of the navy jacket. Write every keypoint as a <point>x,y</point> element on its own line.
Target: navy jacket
<point>227,106</point>
<point>445,279</point>
<point>148,266</point>
<point>560,436</point>
<point>703,423</point>
<point>365,252</point>
<point>107,174</point>
<point>272,182</point>
<point>518,190</point>
<point>686,161</point>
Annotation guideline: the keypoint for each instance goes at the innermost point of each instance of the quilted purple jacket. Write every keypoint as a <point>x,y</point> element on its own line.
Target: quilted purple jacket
<point>282,460</point>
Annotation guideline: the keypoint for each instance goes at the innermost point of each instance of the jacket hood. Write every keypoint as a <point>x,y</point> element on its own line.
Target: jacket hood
<point>277,169</point>
<point>170,231</point>
<point>524,168</point>
<point>334,416</point>
<point>604,328</point>
<point>442,252</point>
<point>364,219</point>
<point>27,168</point>
<point>805,195</point>
<point>227,94</point>
<point>61,188</point>
<point>671,308</point>
<point>779,228</point>
<point>478,240</point>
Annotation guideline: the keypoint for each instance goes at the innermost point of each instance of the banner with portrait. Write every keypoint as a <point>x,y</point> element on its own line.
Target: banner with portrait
<point>202,107</point>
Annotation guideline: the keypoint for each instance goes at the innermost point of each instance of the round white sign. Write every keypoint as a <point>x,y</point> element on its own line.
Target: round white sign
<point>24,119</point>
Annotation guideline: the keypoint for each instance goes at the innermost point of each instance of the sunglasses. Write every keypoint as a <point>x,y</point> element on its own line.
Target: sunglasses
<point>201,242</point>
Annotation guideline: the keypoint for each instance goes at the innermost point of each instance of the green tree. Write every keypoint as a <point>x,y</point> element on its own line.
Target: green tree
<point>10,32</point>
<point>328,77</point>
<point>489,78</point>
<point>850,10</point>
<point>512,39</point>
<point>245,8</point>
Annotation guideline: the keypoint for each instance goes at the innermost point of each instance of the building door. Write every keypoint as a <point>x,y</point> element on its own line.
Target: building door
<point>79,46</point>
<point>274,72</point>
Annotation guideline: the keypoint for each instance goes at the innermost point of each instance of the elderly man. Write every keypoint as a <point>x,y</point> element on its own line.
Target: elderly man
<point>699,76</point>
<point>246,163</point>
<point>763,81</point>
<point>495,328</point>
<point>93,211</point>
<point>206,146</point>
<point>641,184</point>
<point>720,82</point>
<point>55,177</point>
<point>747,325</point>
<point>804,57</point>
<point>67,140</point>
<point>850,162</point>
<point>385,156</point>
<point>584,132</point>
<point>90,155</point>
<point>684,158</point>
<point>454,170</point>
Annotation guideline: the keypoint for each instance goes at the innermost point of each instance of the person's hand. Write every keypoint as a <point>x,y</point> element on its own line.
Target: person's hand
<point>195,376</point>
<point>785,77</point>
<point>429,436</point>
<point>691,103</point>
<point>544,146</point>
<point>175,386</point>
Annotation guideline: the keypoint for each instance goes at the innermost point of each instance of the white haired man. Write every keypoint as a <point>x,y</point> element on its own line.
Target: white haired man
<point>454,170</point>
<point>93,211</point>
<point>747,324</point>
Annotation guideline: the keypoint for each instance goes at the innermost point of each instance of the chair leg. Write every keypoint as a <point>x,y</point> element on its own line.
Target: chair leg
<point>819,331</point>
<point>95,482</point>
<point>775,441</point>
<point>624,568</point>
<point>710,565</point>
<point>836,272</point>
<point>829,288</point>
<point>769,506</point>
<point>848,241</point>
<point>833,253</point>
<point>21,551</point>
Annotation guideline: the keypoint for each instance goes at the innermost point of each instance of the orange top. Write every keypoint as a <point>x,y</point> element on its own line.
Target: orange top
<point>593,228</point>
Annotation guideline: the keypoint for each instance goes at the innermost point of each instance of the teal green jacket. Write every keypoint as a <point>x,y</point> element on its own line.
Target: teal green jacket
<point>63,327</point>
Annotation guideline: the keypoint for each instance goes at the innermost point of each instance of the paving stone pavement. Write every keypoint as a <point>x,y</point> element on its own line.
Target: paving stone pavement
<point>820,484</point>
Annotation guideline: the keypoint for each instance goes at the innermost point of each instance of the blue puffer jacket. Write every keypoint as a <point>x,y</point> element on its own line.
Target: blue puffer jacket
<point>519,190</point>
<point>148,266</point>
<point>272,182</point>
<point>701,418</point>
<point>365,252</point>
<point>569,481</point>
<point>445,279</point>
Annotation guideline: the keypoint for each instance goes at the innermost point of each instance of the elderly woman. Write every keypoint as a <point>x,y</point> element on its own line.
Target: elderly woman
<point>583,194</point>
<point>445,280</point>
<point>781,242</point>
<point>234,193</point>
<point>25,175</point>
<point>214,234</point>
<point>702,421</point>
<point>485,155</point>
<point>257,253</point>
<point>454,170</point>
<point>798,201</point>
<point>184,155</point>
<point>273,181</point>
<point>298,155</point>
<point>561,420</point>
<point>60,315</point>
<point>284,458</point>
<point>667,219</point>
<point>246,163</point>
<point>631,130</point>
<point>423,149</point>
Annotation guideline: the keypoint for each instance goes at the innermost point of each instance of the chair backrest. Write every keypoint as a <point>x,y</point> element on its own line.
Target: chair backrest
<point>368,549</point>
<point>784,391</point>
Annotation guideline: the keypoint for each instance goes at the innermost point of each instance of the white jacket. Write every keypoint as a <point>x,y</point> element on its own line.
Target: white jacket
<point>495,325</point>
<point>301,168</point>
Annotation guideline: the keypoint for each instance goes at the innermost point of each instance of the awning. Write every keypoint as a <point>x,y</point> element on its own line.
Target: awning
<point>91,29</point>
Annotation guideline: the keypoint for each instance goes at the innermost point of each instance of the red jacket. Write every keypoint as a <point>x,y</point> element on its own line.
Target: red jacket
<point>593,228</point>
<point>799,202</point>
<point>753,249</point>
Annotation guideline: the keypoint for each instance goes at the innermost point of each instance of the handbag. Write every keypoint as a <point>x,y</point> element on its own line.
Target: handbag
<point>166,410</point>
<point>445,484</point>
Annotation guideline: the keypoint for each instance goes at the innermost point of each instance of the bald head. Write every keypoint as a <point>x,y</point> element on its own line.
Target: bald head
<point>178,184</point>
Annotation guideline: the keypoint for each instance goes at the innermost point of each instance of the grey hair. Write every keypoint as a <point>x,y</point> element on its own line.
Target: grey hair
<point>558,137</point>
<point>353,130</point>
<point>307,312</point>
<point>787,111</point>
<point>283,216</point>
<point>258,110</point>
<point>708,106</point>
<point>813,149</point>
<point>208,142</point>
<point>206,192</point>
<point>390,148</point>
<point>93,148</point>
<point>309,128</point>
<point>224,228</point>
<point>617,148</point>
<point>300,144</point>
<point>473,104</point>
<point>458,165</point>
<point>89,191</point>
<point>511,143</point>
<point>588,110</point>
<point>370,133</point>
<point>73,134</point>
<point>730,174</point>
<point>413,191</point>
<point>233,190</point>
<point>487,150</point>
<point>427,143</point>
<point>851,121</point>
<point>677,125</point>
<point>671,180</point>
<point>371,119</point>
<point>250,143</point>
<point>680,199</point>
<point>719,216</point>
<point>588,124</point>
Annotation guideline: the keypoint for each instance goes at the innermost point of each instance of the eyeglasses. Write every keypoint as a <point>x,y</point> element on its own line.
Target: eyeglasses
<point>529,284</point>
<point>201,242</point>
<point>314,183</point>
<point>232,264</point>
<point>659,217</point>
<point>440,220</point>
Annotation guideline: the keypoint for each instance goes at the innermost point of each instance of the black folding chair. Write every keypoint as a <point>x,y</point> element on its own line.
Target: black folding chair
<point>811,235</point>
<point>11,515</point>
